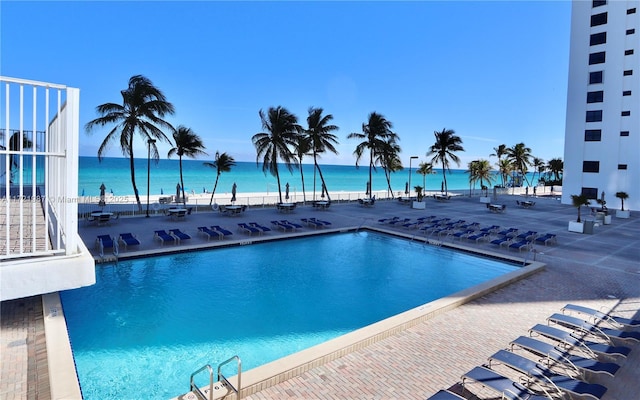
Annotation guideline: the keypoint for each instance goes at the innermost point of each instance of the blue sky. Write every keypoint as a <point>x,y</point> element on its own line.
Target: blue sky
<point>494,71</point>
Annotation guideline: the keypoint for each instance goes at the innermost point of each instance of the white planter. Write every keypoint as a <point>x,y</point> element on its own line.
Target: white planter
<point>485,199</point>
<point>576,226</point>
<point>420,205</point>
<point>607,220</point>
<point>623,214</point>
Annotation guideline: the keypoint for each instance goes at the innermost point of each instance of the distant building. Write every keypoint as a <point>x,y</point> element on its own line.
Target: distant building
<point>602,137</point>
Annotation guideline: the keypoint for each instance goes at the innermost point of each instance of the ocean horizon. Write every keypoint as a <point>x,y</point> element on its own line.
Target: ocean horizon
<point>164,176</point>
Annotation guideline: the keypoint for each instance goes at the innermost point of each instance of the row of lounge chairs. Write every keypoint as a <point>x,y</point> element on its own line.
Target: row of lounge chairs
<point>283,225</point>
<point>556,361</point>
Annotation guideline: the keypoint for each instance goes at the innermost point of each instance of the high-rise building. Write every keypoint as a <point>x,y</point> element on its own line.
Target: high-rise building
<point>602,137</point>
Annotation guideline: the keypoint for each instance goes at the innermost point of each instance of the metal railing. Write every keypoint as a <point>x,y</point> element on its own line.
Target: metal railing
<point>39,129</point>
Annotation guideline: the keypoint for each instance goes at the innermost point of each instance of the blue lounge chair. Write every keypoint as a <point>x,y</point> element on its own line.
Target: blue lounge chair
<point>462,234</point>
<point>128,239</point>
<point>224,232</point>
<point>387,220</point>
<point>246,228</point>
<point>564,385</point>
<point>295,225</point>
<point>569,341</point>
<point>506,241</point>
<point>521,245</point>
<point>528,235</point>
<point>261,227</point>
<point>104,242</point>
<point>179,235</point>
<point>595,315</point>
<point>478,236</point>
<point>580,365</point>
<point>608,334</point>
<point>509,389</point>
<point>545,239</point>
<point>399,221</point>
<point>312,223</point>
<point>164,237</point>
<point>490,229</point>
<point>510,232</point>
<point>470,225</point>
<point>445,395</point>
<point>209,232</point>
<point>284,227</point>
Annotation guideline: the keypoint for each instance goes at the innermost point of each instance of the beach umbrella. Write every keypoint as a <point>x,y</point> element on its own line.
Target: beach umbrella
<point>102,189</point>
<point>233,192</point>
<point>406,188</point>
<point>286,191</point>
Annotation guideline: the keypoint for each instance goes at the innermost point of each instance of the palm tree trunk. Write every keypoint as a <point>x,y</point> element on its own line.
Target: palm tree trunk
<point>215,185</point>
<point>304,196</point>
<point>387,174</point>
<point>184,200</point>
<point>133,179</point>
<point>370,172</point>
<point>315,169</point>
<point>323,182</point>
<point>444,176</point>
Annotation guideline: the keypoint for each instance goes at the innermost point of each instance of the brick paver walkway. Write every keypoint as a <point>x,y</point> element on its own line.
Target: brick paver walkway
<point>597,270</point>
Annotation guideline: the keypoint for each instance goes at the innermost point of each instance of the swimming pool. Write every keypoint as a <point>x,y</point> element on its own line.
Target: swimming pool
<point>149,323</point>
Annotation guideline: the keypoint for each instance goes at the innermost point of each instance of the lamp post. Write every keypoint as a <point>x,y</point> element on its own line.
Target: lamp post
<point>410,159</point>
<point>149,143</point>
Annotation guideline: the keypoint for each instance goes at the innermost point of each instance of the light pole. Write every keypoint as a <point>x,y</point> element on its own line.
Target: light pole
<point>410,159</point>
<point>149,143</point>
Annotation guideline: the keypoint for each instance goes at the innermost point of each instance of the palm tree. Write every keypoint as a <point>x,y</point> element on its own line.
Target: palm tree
<point>520,157</point>
<point>188,144</point>
<point>143,109</point>
<point>322,140</point>
<point>555,166</point>
<point>424,169</point>
<point>222,163</point>
<point>472,169</point>
<point>389,159</point>
<point>504,167</point>
<point>622,196</point>
<point>444,149</point>
<point>578,201</point>
<point>481,171</point>
<point>538,166</point>
<point>499,152</point>
<point>280,133</point>
<point>376,132</point>
<point>302,147</point>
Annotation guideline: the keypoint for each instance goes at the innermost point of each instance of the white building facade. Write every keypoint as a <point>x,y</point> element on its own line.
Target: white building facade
<point>602,136</point>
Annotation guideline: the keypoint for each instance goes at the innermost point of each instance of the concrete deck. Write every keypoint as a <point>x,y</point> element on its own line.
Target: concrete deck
<point>596,270</point>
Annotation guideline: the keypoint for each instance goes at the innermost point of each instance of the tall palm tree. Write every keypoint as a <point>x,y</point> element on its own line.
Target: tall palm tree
<point>538,166</point>
<point>484,174</point>
<point>375,134</point>
<point>500,151</point>
<point>188,144</point>
<point>142,110</point>
<point>555,166</point>
<point>389,159</point>
<point>301,148</point>
<point>504,168</point>
<point>579,200</point>
<point>280,132</point>
<point>520,156</point>
<point>222,163</point>
<point>322,140</point>
<point>444,151</point>
<point>472,171</point>
<point>424,169</point>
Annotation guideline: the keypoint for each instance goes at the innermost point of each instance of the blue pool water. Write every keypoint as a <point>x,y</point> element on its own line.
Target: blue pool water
<point>149,323</point>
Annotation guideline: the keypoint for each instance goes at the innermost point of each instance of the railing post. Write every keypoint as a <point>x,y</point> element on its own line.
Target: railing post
<point>72,135</point>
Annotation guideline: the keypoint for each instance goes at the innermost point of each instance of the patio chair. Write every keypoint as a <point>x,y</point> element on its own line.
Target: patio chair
<point>528,235</point>
<point>321,221</point>
<point>503,241</point>
<point>224,232</point>
<point>508,389</point>
<point>520,245</point>
<point>287,222</point>
<point>608,334</point>
<point>179,235</point>
<point>568,340</point>
<point>246,228</point>
<point>387,220</point>
<point>462,234</point>
<point>490,229</point>
<point>510,232</point>
<point>164,237</point>
<point>547,238</point>
<point>478,237</point>
<point>562,384</point>
<point>312,223</point>
<point>284,227</point>
<point>128,239</point>
<point>209,232</point>
<point>104,242</point>
<point>552,354</point>
<point>596,316</point>
<point>261,227</point>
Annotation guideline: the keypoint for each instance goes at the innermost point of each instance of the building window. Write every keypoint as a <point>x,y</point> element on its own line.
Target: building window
<point>628,72</point>
<point>597,58</point>
<point>591,193</point>
<point>626,93</point>
<point>625,113</point>
<point>624,133</point>
<point>599,19</point>
<point>595,77</point>
<point>598,3</point>
<point>631,31</point>
<point>595,97</point>
<point>594,116</point>
<point>622,166</point>
<point>631,11</point>
<point>592,135</point>
<point>591,166</point>
<point>598,38</point>
<point>628,52</point>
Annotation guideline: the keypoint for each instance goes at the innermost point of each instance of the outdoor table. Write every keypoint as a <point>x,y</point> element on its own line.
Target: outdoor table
<point>496,207</point>
<point>233,209</point>
<point>527,203</point>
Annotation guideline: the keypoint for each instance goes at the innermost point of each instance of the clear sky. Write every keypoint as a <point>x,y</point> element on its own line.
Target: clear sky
<point>494,71</point>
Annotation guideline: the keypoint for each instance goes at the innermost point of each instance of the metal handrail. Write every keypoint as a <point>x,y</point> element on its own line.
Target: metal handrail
<point>194,387</point>
<point>222,378</point>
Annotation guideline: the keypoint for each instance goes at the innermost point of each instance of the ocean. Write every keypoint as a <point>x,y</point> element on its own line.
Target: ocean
<point>249,178</point>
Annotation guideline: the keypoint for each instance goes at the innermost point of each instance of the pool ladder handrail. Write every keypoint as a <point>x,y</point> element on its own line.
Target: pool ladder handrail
<point>221,378</point>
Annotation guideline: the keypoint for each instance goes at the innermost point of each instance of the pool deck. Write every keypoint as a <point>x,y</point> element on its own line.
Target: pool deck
<point>596,270</point>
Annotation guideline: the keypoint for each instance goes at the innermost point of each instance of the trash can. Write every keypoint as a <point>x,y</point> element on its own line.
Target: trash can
<point>588,227</point>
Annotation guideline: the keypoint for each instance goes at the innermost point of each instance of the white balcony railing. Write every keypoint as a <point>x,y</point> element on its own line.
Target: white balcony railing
<point>39,130</point>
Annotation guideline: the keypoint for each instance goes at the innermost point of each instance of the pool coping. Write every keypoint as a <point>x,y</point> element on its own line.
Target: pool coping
<point>63,374</point>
